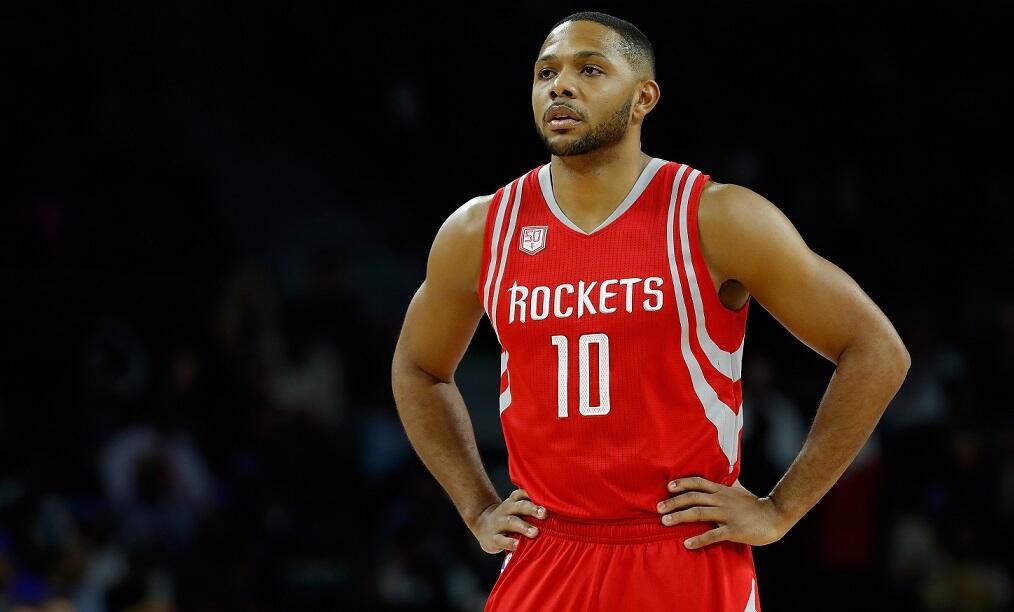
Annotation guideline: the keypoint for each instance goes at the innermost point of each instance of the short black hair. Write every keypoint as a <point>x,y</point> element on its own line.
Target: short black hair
<point>634,45</point>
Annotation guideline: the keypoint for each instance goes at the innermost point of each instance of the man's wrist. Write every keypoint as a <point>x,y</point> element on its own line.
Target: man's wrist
<point>471,516</point>
<point>786,518</point>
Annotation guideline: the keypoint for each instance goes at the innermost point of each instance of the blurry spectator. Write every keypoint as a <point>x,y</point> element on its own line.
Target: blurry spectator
<point>247,315</point>
<point>773,427</point>
<point>306,373</point>
<point>305,361</point>
<point>117,362</point>
<point>138,593</point>
<point>158,484</point>
<point>923,399</point>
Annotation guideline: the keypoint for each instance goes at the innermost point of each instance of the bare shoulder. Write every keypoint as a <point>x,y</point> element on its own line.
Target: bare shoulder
<point>738,226</point>
<point>726,202</point>
<point>456,255</point>
<point>473,216</point>
<point>752,240</point>
<point>445,310</point>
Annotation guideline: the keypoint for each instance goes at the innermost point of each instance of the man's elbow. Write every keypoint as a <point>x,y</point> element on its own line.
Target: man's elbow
<point>900,359</point>
<point>886,350</point>
<point>403,368</point>
<point>906,358</point>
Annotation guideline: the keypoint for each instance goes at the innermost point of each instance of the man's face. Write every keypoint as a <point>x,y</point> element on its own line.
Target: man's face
<point>579,67</point>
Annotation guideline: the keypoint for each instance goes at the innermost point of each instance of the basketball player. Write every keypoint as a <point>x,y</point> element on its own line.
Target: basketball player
<point>618,286</point>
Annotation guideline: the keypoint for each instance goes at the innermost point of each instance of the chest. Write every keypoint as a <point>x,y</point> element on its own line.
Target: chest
<point>618,279</point>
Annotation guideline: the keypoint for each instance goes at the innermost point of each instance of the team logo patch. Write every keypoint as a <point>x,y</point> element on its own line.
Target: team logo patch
<point>533,238</point>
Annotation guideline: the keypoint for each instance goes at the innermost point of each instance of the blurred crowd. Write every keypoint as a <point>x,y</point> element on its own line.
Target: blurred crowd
<point>170,470</point>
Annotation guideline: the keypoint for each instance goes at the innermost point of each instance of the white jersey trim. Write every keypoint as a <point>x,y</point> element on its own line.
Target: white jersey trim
<point>546,185</point>
<point>727,421</point>
<point>729,364</point>
<point>494,297</point>
<point>495,243</point>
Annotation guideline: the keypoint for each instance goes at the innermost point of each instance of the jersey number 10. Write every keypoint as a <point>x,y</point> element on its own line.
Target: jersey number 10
<point>584,374</point>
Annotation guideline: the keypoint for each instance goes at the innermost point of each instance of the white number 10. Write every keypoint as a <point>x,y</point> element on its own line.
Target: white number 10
<point>585,407</point>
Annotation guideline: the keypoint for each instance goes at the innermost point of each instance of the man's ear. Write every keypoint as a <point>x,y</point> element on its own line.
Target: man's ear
<point>645,98</point>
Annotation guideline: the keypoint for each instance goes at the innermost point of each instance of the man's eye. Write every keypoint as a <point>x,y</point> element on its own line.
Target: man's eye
<point>542,73</point>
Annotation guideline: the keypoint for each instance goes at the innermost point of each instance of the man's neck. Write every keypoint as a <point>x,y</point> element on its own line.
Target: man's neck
<point>588,188</point>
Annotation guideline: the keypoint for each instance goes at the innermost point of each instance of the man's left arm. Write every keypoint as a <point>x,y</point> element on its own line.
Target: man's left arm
<point>745,237</point>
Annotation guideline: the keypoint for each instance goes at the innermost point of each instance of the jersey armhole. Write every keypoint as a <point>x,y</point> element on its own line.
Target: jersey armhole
<point>707,286</point>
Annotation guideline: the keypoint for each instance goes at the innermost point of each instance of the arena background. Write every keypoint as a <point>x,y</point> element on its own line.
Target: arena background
<point>214,216</point>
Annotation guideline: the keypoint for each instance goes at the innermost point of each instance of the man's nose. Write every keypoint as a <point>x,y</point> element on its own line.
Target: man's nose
<point>562,86</point>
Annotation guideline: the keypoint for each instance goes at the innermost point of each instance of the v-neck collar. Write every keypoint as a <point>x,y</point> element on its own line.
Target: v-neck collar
<point>546,185</point>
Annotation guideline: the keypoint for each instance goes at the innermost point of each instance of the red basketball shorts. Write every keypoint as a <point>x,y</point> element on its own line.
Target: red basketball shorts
<point>638,566</point>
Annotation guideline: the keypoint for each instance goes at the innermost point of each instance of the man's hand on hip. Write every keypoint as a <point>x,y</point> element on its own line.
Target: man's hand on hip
<point>741,515</point>
<point>496,520</point>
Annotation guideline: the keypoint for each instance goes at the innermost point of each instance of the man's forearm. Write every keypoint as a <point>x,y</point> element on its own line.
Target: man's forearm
<point>438,426</point>
<point>865,380</point>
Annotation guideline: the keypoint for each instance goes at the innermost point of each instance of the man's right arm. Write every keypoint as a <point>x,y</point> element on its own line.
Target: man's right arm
<point>438,327</point>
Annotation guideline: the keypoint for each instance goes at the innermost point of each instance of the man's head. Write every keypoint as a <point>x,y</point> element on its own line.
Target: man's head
<point>600,70</point>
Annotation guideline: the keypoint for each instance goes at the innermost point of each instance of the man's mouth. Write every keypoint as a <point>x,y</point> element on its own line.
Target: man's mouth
<point>562,123</point>
<point>562,117</point>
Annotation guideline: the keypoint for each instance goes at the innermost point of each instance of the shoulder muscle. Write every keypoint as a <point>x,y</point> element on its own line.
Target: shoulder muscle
<point>456,254</point>
<point>445,311</point>
<point>749,239</point>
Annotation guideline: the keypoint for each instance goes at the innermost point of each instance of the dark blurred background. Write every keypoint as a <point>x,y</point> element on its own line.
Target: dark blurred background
<point>214,217</point>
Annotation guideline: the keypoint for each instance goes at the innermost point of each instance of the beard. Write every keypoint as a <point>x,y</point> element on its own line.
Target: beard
<point>606,133</point>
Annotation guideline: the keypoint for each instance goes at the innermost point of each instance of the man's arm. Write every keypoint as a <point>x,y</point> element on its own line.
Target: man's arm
<point>746,238</point>
<point>438,327</point>
<point>752,241</point>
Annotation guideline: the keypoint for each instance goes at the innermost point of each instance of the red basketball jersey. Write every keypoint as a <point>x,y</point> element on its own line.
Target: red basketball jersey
<point>619,366</point>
